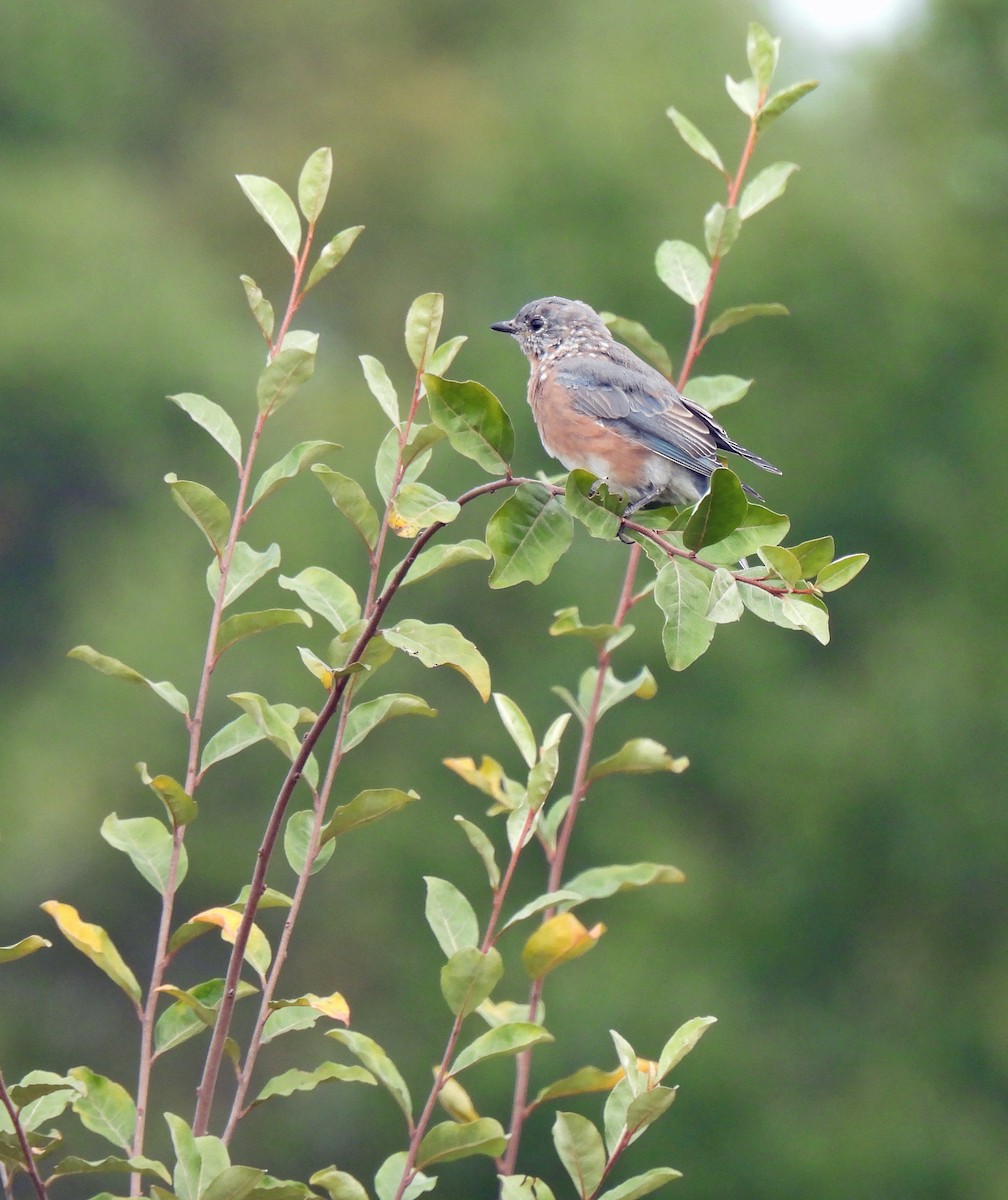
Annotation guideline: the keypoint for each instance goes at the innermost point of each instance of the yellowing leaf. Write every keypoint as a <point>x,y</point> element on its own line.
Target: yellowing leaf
<point>333,1006</point>
<point>558,940</point>
<point>257,950</point>
<point>95,943</point>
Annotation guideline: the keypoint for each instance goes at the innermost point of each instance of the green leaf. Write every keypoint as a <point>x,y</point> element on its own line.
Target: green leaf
<point>391,1172</point>
<point>582,1082</point>
<point>744,94</point>
<point>296,1080</point>
<point>105,1107</point>
<point>718,513</point>
<point>274,726</point>
<point>367,716</point>
<point>288,1020</point>
<point>782,101</point>
<point>474,421</point>
<point>517,725</point>
<point>297,843</point>
<point>243,732</point>
<point>682,591</point>
<point>248,566</point>
<point>524,1187</point>
<point>483,847</point>
<point>42,1096</point>
<point>715,391</point>
<point>638,756</point>
<point>93,942</point>
<point>243,625</point>
<point>721,229</point>
<point>450,1140</point>
<point>814,555</point>
<point>468,978</point>
<point>764,188</point>
<point>579,1146</point>
<point>233,1183</point>
<point>695,139</point>
<point>738,316</point>
<point>438,558</point>
<point>381,387</point>
<point>836,574</point>
<point>546,900</point>
<point>568,622</point>
<point>188,1180</point>
<point>450,916</point>
<point>213,419</point>
<point>597,883</point>
<point>73,1165</point>
<point>350,498</point>
<point>415,507</point>
<point>325,594</point>
<point>259,306</point>
<point>331,255</point>
<point>782,563</point>
<point>598,513</point>
<point>501,1041</point>
<point>415,455</point>
<point>682,1042</point>
<point>442,645</point>
<point>149,846</point>
<point>269,720</point>
<point>790,612</point>
<point>276,208</point>
<point>762,51</point>
<point>27,945</point>
<point>365,807</point>
<point>423,325</point>
<point>444,355</point>
<point>285,373</point>
<point>641,1185</point>
<point>313,184</point>
<point>759,527</point>
<point>194,1010</point>
<point>724,604</point>
<point>180,805</point>
<point>293,462</point>
<point>202,506</point>
<point>646,1108</point>
<point>683,270</point>
<point>527,536</point>
<point>339,1184</point>
<point>372,1056</point>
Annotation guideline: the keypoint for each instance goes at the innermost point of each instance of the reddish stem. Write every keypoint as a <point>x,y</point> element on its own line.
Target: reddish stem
<point>29,1159</point>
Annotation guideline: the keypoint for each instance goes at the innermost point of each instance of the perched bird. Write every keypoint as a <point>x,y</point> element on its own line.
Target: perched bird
<point>601,408</point>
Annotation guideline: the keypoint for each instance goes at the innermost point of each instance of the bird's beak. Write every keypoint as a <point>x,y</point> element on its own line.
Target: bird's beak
<point>505,327</point>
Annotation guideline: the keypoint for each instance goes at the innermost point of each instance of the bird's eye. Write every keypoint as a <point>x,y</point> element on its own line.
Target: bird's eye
<point>536,324</point>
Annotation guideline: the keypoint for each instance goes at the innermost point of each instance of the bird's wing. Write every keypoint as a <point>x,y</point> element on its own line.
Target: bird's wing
<point>643,405</point>
<point>643,408</point>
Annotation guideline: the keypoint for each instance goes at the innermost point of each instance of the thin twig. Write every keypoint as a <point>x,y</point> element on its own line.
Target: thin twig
<point>579,787</point>
<point>29,1159</point>
<point>211,1068</point>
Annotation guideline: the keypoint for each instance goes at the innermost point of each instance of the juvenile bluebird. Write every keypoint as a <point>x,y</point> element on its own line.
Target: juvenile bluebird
<point>599,407</point>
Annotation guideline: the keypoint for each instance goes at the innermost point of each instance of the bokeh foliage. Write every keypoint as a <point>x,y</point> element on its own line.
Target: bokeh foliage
<point>842,821</point>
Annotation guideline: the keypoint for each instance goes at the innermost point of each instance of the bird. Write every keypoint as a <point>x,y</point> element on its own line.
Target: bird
<point>601,408</point>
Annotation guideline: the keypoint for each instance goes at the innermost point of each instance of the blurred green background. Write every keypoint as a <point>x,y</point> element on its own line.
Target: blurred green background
<point>843,825</point>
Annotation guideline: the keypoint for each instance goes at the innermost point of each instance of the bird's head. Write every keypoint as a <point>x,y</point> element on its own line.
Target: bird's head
<point>544,327</point>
